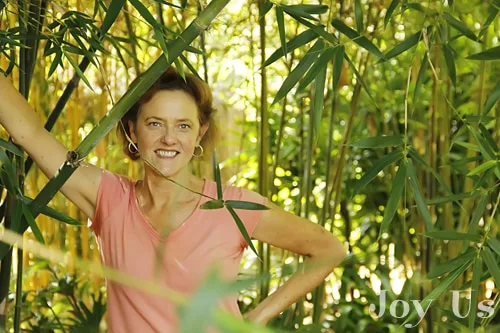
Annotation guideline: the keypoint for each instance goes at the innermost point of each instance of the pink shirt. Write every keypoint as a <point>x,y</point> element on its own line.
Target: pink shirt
<point>127,242</point>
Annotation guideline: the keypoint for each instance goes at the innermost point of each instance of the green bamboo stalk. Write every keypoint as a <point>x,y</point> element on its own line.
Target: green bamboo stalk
<point>142,84</point>
<point>264,249</point>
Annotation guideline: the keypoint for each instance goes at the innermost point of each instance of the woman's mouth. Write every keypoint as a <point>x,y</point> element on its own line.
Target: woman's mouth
<point>166,153</point>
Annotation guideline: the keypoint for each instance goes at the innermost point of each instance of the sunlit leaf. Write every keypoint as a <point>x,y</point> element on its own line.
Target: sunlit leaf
<point>298,41</point>
<point>419,198</point>
<point>381,164</point>
<point>266,7</point>
<point>111,14</point>
<point>476,216</point>
<point>281,28</point>
<point>319,65</point>
<point>452,235</point>
<point>417,158</point>
<point>52,213</point>
<point>452,264</point>
<point>357,38</point>
<point>299,70</point>
<point>390,10</point>
<point>492,13</point>
<point>319,29</point>
<point>379,141</point>
<point>160,37</point>
<point>305,11</point>
<point>483,167</point>
<point>361,80</point>
<point>212,204</point>
<point>144,12</point>
<point>391,208</point>
<point>358,13</point>
<point>460,26</point>
<point>490,54</point>
<point>467,145</point>
<point>56,62</point>
<point>404,45</point>
<point>450,63</point>
<point>494,244</point>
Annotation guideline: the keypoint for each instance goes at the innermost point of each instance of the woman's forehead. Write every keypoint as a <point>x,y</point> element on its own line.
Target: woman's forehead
<point>169,104</point>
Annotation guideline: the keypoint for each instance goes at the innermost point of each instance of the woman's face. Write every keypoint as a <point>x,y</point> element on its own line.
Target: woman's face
<point>168,130</point>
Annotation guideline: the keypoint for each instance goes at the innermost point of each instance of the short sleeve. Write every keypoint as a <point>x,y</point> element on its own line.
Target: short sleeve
<point>250,218</point>
<point>112,189</point>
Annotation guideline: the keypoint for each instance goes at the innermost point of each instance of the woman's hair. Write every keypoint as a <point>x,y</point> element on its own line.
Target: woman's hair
<point>173,81</point>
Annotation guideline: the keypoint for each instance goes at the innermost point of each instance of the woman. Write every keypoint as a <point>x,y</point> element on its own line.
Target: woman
<point>169,125</point>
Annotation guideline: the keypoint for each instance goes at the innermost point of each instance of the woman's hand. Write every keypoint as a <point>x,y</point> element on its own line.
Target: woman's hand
<point>256,316</point>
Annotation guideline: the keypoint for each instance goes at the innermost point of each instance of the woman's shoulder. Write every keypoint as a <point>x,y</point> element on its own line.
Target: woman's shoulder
<point>114,180</point>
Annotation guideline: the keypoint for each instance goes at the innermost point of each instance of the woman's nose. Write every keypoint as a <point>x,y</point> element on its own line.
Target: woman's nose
<point>168,136</point>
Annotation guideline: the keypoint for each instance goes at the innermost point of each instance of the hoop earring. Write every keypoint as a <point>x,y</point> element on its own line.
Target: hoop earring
<point>201,151</point>
<point>132,148</point>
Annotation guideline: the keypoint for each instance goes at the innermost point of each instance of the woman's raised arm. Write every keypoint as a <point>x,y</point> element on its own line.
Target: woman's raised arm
<point>19,119</point>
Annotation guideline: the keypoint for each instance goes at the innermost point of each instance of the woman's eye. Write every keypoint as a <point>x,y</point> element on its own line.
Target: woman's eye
<point>185,126</point>
<point>154,124</point>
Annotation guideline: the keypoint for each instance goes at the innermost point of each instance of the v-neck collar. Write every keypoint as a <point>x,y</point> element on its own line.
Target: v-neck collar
<point>192,217</point>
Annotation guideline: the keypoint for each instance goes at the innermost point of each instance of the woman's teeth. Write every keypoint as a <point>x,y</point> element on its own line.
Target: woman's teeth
<point>166,153</point>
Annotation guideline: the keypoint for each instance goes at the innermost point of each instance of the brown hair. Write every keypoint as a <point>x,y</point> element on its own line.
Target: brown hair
<point>173,81</point>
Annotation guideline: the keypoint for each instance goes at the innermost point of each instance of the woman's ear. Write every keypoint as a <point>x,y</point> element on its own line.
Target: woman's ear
<point>203,131</point>
<point>132,130</point>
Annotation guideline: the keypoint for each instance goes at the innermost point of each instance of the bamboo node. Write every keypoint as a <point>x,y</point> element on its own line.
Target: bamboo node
<point>73,159</point>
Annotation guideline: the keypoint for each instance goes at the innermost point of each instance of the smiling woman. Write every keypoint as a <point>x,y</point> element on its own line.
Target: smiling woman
<point>135,220</point>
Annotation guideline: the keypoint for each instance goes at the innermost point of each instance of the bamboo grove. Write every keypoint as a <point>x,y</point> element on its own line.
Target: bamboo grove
<point>374,118</point>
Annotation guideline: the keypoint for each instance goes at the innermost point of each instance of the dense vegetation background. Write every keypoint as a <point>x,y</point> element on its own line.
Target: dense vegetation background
<point>374,118</point>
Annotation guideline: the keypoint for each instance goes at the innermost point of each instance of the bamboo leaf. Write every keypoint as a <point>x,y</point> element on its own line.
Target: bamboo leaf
<point>381,164</point>
<point>11,147</point>
<point>491,263</point>
<point>299,70</point>
<point>476,216</point>
<point>111,14</point>
<point>492,13</point>
<point>452,264</point>
<point>452,21</point>
<point>319,96</point>
<point>31,222</point>
<point>490,54</point>
<point>454,197</point>
<point>453,235</point>
<point>417,158</point>
<point>298,41</point>
<point>419,199</point>
<point>161,41</point>
<point>492,99</point>
<point>305,11</point>
<point>319,65</point>
<point>337,66</point>
<point>144,12</point>
<point>217,177</point>
<point>404,46</point>
<point>476,276</point>
<point>242,229</point>
<point>396,193</point>
<point>57,61</point>
<point>379,142</point>
<point>239,204</point>
<point>266,7</point>
<point>483,167</point>
<point>213,204</point>
<point>358,13</point>
<point>450,63</point>
<point>420,78</point>
<point>361,80</point>
<point>78,71</point>
<point>443,286</point>
<point>357,38</point>
<point>281,28</point>
<point>494,244</point>
<point>318,29</point>
<point>52,213</point>
<point>390,10</point>
<point>467,145</point>
<point>16,216</point>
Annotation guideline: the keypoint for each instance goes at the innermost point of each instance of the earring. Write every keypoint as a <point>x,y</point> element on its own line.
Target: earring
<point>201,151</point>
<point>132,148</point>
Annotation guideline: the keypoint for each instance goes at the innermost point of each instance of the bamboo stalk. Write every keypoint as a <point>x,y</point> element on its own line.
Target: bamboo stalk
<point>263,185</point>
